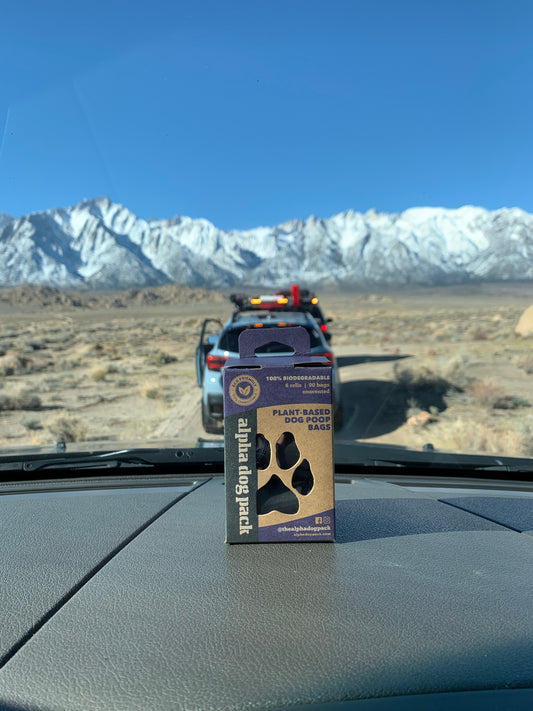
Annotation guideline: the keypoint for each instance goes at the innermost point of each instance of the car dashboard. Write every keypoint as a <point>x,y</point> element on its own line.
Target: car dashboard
<point>119,592</point>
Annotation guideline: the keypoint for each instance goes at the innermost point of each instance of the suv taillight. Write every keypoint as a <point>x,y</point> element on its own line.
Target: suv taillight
<point>216,362</point>
<point>327,354</point>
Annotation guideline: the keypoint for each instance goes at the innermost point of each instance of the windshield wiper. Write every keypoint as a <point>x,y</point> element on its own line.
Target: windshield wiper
<point>357,457</point>
<point>460,464</point>
<point>382,458</point>
<point>193,460</point>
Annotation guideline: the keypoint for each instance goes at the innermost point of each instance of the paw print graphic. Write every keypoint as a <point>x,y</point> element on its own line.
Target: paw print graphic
<point>284,475</point>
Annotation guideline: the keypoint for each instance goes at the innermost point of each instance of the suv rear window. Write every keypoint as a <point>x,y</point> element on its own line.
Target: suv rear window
<point>229,340</point>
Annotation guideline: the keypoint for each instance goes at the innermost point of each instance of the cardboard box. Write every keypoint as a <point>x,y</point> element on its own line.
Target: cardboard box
<point>278,440</point>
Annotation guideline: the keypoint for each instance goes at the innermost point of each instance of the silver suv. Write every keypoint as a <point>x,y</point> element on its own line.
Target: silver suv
<point>213,351</point>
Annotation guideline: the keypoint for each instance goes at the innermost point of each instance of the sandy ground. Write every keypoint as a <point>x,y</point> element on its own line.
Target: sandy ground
<point>120,367</point>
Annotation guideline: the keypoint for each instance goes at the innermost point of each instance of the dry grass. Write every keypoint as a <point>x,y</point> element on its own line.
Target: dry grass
<point>24,399</point>
<point>98,373</point>
<point>526,364</point>
<point>416,379</point>
<point>448,372</point>
<point>31,423</point>
<point>159,358</point>
<point>15,364</point>
<point>469,435</point>
<point>64,427</point>
<point>481,335</point>
<point>486,393</point>
<point>427,385</point>
<point>491,394</point>
<point>151,390</point>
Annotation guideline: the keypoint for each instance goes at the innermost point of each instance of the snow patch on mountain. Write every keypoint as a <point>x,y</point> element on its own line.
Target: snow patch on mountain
<point>102,244</point>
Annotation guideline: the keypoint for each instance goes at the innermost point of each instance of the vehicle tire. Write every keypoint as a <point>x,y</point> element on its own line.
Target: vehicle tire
<point>210,425</point>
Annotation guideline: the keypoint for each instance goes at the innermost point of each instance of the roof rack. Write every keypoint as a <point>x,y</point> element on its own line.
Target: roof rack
<point>292,299</point>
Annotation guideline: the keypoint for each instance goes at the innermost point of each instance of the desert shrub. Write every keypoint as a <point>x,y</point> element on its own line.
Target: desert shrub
<point>151,389</point>
<point>430,387</point>
<point>444,333</point>
<point>23,400</point>
<point>98,373</point>
<point>14,364</point>
<point>27,400</point>
<point>33,345</point>
<point>447,373</point>
<point>486,392</point>
<point>480,335</point>
<point>160,358</point>
<point>526,364</point>
<point>418,379</point>
<point>31,423</point>
<point>519,402</point>
<point>152,392</point>
<point>491,395</point>
<point>438,379</point>
<point>5,402</point>
<point>66,428</point>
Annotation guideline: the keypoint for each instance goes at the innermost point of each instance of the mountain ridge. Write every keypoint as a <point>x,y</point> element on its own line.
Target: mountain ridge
<point>102,244</point>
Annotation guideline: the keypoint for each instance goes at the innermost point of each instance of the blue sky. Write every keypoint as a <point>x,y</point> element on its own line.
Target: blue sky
<point>255,112</point>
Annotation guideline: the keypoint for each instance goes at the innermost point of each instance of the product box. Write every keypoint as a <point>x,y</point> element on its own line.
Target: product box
<point>278,441</point>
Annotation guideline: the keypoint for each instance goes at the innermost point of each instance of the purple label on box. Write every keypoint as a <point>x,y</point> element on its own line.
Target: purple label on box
<point>320,527</point>
<point>262,387</point>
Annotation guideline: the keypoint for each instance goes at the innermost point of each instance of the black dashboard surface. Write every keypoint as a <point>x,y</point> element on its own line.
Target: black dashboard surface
<point>52,541</point>
<point>421,594</point>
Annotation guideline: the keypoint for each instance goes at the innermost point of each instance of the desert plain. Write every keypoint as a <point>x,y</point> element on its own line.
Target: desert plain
<point>441,366</point>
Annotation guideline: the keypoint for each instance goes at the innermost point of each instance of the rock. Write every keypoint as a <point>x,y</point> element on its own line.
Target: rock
<point>524,326</point>
<point>421,419</point>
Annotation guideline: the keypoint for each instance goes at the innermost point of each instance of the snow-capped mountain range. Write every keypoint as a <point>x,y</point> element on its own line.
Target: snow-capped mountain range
<point>100,244</point>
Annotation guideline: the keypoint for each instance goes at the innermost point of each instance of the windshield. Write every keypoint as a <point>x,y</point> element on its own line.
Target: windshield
<point>156,158</point>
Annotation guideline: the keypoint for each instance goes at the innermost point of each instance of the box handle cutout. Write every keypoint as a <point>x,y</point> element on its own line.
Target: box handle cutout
<point>296,337</point>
